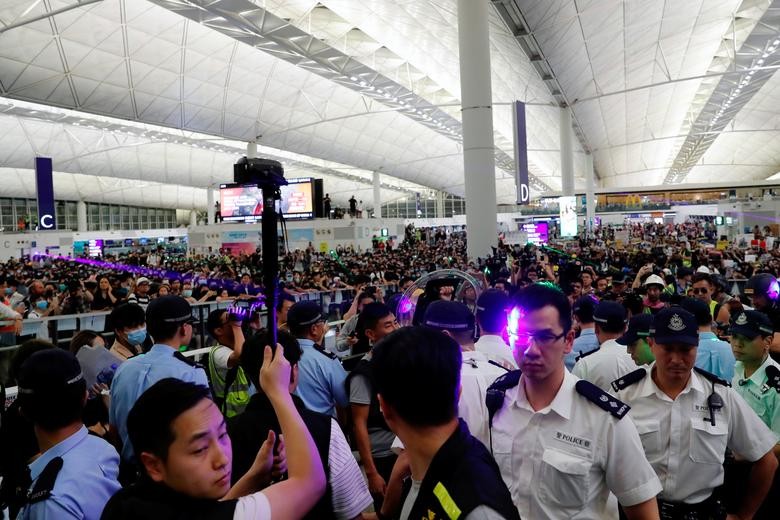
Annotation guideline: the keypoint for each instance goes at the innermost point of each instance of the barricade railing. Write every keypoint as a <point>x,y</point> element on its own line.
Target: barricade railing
<point>197,354</point>
<point>51,327</point>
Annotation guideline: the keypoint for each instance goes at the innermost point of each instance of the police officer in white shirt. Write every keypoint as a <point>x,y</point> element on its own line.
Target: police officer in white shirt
<point>611,360</point>
<point>477,373</point>
<point>687,418</point>
<point>563,444</point>
<point>491,320</point>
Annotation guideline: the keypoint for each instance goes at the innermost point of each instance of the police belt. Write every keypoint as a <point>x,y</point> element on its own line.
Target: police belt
<point>710,509</point>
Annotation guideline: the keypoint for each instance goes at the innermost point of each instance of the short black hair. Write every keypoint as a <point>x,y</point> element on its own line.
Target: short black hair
<point>252,354</point>
<point>161,330</point>
<point>126,316</point>
<point>284,297</point>
<point>703,277</point>
<point>367,319</point>
<point>427,394</point>
<point>405,279</point>
<point>214,321</point>
<point>150,421</point>
<point>540,295</point>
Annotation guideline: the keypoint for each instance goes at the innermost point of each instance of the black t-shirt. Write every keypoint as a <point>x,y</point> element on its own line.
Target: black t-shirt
<point>152,501</point>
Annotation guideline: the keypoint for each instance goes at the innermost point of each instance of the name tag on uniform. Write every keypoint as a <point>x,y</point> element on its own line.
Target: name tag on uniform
<point>572,439</point>
<point>703,408</point>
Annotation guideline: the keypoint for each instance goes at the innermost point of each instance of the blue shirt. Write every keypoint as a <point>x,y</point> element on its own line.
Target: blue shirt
<point>87,480</point>
<point>586,342</point>
<point>715,356</point>
<point>320,380</point>
<point>137,374</point>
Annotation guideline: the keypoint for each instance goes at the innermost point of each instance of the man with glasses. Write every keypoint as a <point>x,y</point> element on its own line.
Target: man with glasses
<point>169,322</point>
<point>563,444</point>
<point>703,289</point>
<point>321,376</point>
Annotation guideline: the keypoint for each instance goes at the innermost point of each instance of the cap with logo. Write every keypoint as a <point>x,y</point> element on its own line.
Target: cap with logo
<point>675,325</point>
<point>448,315</point>
<point>611,314</point>
<point>638,328</point>
<point>304,313</point>
<point>763,284</point>
<point>751,324</point>
<point>169,309</point>
<point>654,279</point>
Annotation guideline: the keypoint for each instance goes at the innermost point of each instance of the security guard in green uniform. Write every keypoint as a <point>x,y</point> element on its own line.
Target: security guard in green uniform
<point>453,476</point>
<point>757,380</point>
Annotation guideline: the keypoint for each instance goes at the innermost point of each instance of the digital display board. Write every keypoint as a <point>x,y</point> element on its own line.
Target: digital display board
<point>244,203</point>
<point>537,233</point>
<point>95,247</point>
<point>568,207</point>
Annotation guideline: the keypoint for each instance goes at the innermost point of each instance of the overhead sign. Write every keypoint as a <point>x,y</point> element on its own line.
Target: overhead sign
<point>521,153</point>
<point>44,186</point>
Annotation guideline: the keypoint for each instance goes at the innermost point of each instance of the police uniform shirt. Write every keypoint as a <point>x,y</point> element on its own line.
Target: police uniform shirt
<point>611,361</point>
<point>586,342</point>
<point>320,380</point>
<point>715,356</point>
<point>562,461</point>
<point>87,480</point>
<point>496,349</point>
<point>684,448</point>
<point>476,375</point>
<point>765,401</point>
<point>480,513</point>
<point>137,374</point>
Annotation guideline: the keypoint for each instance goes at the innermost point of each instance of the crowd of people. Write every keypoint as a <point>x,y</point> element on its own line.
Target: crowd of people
<point>627,374</point>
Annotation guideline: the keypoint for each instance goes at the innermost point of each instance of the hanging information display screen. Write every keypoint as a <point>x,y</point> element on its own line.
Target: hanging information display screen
<point>568,207</point>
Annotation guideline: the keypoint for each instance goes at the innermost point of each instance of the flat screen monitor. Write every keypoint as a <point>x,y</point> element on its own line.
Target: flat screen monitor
<point>537,233</point>
<point>568,209</point>
<point>244,202</point>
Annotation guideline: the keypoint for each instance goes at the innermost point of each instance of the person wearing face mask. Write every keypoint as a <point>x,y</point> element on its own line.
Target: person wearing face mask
<point>128,322</point>
<point>321,386</point>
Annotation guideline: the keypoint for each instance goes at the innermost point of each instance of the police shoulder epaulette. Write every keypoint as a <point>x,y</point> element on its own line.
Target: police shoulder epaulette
<point>324,352</point>
<point>44,485</point>
<point>602,399</point>
<point>184,359</point>
<point>711,377</point>
<point>494,397</point>
<point>586,354</point>
<point>628,379</point>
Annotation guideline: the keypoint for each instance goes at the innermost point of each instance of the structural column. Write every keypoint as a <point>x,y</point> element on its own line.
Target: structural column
<point>590,202</point>
<point>477,114</point>
<point>193,218</point>
<point>377,195</point>
<point>81,216</point>
<point>210,211</point>
<point>251,150</point>
<point>440,204</point>
<point>567,155</point>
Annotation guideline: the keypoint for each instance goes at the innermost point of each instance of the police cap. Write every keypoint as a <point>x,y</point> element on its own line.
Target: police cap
<point>751,324</point>
<point>303,314</point>
<point>675,325</point>
<point>448,315</point>
<point>638,327</point>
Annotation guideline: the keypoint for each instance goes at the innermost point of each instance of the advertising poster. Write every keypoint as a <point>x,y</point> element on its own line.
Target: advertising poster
<point>568,207</point>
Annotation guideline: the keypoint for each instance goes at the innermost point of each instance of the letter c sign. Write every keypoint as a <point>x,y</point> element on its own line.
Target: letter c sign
<point>46,221</point>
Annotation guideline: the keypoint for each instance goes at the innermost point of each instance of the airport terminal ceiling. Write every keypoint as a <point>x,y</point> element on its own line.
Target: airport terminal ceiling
<point>149,102</point>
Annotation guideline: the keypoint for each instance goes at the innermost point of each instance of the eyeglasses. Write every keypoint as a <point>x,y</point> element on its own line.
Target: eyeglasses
<point>699,290</point>
<point>542,339</point>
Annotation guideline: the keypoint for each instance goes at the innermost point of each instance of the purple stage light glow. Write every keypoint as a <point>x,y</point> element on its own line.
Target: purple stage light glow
<point>213,283</point>
<point>774,290</point>
<point>405,305</point>
<point>513,321</point>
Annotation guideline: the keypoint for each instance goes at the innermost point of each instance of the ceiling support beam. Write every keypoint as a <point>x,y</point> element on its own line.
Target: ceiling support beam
<point>55,12</point>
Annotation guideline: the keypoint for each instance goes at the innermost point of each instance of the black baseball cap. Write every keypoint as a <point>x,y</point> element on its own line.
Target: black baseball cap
<point>638,327</point>
<point>675,325</point>
<point>448,315</point>
<point>169,309</point>
<point>47,371</point>
<point>619,278</point>
<point>583,308</point>
<point>304,313</point>
<point>610,313</point>
<point>492,302</point>
<point>751,324</point>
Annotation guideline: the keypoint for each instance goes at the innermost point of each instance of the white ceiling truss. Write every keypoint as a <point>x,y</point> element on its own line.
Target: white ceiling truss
<point>341,88</point>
